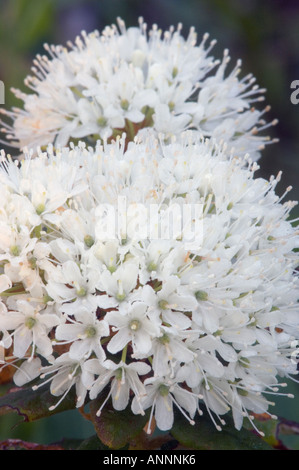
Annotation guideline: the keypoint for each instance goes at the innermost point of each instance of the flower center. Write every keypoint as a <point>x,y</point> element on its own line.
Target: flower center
<point>135,325</point>
<point>242,392</point>
<point>89,241</point>
<point>163,304</point>
<point>47,298</point>
<point>201,295</point>
<point>163,390</point>
<point>90,331</point>
<point>32,262</point>
<point>75,370</point>
<point>121,295</point>
<point>30,322</point>
<point>171,105</point>
<point>81,292</point>
<point>164,339</point>
<point>152,266</point>
<point>15,250</point>
<point>175,71</point>
<point>102,121</point>
<point>40,209</point>
<point>118,374</point>
<point>124,104</point>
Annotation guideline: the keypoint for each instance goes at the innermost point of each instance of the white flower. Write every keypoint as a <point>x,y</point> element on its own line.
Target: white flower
<point>84,333</point>
<point>15,243</point>
<point>134,325</point>
<point>203,364</point>
<point>158,320</point>
<point>6,339</point>
<point>30,326</point>
<point>169,349</point>
<point>44,193</point>
<point>117,285</point>
<point>66,373</point>
<point>123,377</point>
<point>172,301</point>
<point>131,79</point>
<point>71,284</point>
<point>161,395</point>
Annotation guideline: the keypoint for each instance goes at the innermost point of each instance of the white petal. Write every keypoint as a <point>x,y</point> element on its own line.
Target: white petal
<point>69,332</point>
<point>119,341</point>
<point>120,396</point>
<point>48,319</point>
<point>177,319</point>
<point>5,283</point>
<point>164,412</point>
<point>141,342</point>
<point>22,341</point>
<point>79,349</point>
<point>186,400</point>
<point>28,371</point>
<point>140,367</point>
<point>43,344</point>
<point>104,301</point>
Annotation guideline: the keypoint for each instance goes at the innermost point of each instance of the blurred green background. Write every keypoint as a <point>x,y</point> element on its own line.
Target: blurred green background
<point>263,33</point>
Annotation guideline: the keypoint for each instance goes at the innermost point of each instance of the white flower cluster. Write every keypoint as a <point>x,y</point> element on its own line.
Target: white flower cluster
<point>125,80</point>
<point>161,320</point>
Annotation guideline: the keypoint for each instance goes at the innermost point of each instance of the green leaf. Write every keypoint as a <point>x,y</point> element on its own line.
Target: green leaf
<point>275,429</point>
<point>92,443</point>
<point>64,444</point>
<point>18,444</point>
<point>204,436</point>
<point>163,442</point>
<point>115,428</point>
<point>34,404</point>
